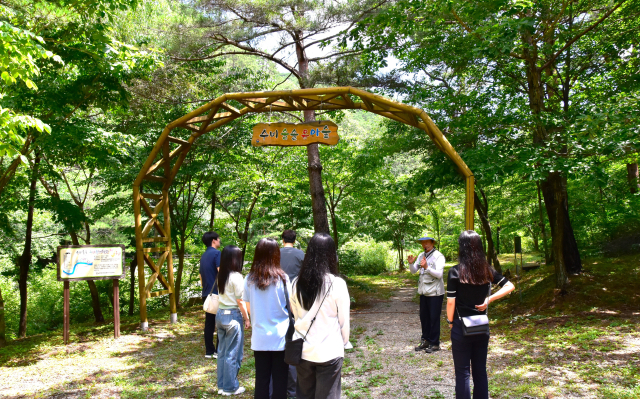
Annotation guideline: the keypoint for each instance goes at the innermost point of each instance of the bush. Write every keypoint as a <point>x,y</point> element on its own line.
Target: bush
<point>363,257</point>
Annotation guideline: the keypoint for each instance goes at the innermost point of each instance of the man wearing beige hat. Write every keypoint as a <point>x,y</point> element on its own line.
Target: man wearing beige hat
<point>430,264</point>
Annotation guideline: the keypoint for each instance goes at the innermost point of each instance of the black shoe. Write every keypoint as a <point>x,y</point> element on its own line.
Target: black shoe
<point>423,345</point>
<point>432,348</point>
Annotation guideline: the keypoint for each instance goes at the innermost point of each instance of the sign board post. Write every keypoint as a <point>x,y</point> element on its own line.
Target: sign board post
<point>91,262</point>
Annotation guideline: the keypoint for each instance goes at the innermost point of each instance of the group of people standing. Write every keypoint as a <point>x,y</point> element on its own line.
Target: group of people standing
<point>281,280</point>
<point>286,280</point>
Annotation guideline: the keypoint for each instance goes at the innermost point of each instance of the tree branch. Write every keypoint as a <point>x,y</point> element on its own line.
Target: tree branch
<point>578,36</point>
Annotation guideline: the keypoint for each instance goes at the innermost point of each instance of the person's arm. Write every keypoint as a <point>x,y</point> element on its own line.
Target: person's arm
<point>200,275</point>
<point>414,263</point>
<point>505,290</point>
<point>438,269</point>
<point>343,302</point>
<point>451,306</point>
<point>245,313</point>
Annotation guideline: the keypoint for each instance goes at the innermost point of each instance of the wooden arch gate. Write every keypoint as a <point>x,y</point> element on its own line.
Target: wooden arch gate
<point>153,235</point>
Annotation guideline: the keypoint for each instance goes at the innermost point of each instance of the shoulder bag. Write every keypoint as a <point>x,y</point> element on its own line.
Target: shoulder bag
<point>293,347</point>
<point>212,301</point>
<point>475,325</point>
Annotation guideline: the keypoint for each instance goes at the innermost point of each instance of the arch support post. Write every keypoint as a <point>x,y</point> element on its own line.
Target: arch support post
<point>469,205</point>
<point>144,325</point>
<point>173,315</point>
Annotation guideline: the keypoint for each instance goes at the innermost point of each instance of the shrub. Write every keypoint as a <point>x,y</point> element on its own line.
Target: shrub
<point>363,257</point>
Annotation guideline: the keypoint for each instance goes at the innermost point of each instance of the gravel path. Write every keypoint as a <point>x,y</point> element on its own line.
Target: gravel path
<point>384,363</point>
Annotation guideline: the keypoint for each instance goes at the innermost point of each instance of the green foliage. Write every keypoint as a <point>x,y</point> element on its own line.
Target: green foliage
<point>364,257</point>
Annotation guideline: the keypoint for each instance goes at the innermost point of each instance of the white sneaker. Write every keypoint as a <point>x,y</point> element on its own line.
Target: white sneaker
<point>237,392</point>
<point>219,391</point>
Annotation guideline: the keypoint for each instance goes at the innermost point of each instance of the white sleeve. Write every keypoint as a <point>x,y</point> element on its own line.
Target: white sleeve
<point>439,267</point>
<point>416,265</point>
<point>343,302</point>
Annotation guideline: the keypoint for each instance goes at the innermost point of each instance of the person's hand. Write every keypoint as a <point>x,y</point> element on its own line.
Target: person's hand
<point>247,324</point>
<point>483,307</point>
<point>450,326</point>
<point>423,263</point>
<point>411,258</point>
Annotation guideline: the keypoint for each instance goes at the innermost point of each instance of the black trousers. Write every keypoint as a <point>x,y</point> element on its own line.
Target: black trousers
<point>291,383</point>
<point>430,312</point>
<point>320,380</point>
<point>209,328</point>
<point>270,365</point>
<point>469,351</point>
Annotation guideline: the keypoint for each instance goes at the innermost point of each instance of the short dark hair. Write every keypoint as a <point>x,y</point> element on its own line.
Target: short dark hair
<point>208,237</point>
<point>289,236</point>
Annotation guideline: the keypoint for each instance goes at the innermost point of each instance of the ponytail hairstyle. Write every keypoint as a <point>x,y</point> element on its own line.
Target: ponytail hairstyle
<point>474,268</point>
<point>265,269</point>
<point>230,261</point>
<point>321,259</point>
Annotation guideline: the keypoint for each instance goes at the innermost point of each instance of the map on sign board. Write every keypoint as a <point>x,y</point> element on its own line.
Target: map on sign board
<point>90,262</point>
<point>288,134</point>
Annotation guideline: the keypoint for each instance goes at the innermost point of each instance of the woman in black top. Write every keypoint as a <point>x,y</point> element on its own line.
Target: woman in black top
<point>468,294</point>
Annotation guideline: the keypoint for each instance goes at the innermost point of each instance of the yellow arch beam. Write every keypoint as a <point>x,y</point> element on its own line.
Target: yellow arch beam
<point>167,155</point>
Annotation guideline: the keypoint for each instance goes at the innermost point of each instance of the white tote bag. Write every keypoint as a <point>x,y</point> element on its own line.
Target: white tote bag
<point>212,301</point>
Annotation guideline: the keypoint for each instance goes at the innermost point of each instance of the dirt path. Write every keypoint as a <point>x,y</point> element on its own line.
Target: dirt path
<point>384,363</point>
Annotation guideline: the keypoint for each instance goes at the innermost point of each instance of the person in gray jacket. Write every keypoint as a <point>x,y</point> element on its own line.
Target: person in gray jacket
<point>430,264</point>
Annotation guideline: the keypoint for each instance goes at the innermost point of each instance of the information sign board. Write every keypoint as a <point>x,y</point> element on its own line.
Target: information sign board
<point>291,134</point>
<point>90,262</point>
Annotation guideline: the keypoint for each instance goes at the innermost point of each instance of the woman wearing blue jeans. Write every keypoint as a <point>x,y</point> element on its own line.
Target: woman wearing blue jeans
<point>468,294</point>
<point>229,320</point>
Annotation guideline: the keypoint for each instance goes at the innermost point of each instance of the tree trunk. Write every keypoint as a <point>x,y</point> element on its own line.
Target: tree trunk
<point>3,339</point>
<point>334,224</point>
<point>543,230</point>
<point>178,283</point>
<point>316,189</point>
<point>212,218</point>
<point>482,209</point>
<point>93,289</point>
<point>24,261</point>
<point>554,188</point>
<point>564,246</point>
<point>633,177</point>
<point>132,287</point>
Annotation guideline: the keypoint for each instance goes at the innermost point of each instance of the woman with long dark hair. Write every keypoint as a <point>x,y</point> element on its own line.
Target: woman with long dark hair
<point>229,320</point>
<point>468,296</point>
<point>320,304</point>
<point>264,292</point>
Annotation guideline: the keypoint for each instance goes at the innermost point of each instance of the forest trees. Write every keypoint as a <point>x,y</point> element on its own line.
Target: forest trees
<point>521,80</point>
<point>288,29</point>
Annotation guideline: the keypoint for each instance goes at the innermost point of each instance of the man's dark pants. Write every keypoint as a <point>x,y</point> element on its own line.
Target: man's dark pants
<point>430,312</point>
<point>209,328</point>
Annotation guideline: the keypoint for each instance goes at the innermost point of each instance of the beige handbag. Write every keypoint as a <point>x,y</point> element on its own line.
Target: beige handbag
<point>212,301</point>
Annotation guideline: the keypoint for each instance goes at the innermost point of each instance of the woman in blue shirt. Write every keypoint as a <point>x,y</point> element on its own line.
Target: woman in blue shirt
<point>264,293</point>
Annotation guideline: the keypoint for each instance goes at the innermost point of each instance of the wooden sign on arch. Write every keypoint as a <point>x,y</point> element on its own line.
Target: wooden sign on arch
<point>153,235</point>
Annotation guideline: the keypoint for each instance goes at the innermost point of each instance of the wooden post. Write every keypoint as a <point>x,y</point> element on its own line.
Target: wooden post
<point>116,308</point>
<point>173,312</point>
<point>144,325</point>
<point>65,313</point>
<point>469,205</point>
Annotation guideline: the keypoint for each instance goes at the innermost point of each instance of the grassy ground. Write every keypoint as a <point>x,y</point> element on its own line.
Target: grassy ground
<point>583,344</point>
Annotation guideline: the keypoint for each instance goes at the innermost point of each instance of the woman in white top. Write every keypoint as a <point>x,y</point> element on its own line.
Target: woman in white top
<point>320,304</point>
<point>229,320</point>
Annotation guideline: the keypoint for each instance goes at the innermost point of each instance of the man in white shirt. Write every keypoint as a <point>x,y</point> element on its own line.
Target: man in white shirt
<point>430,263</point>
